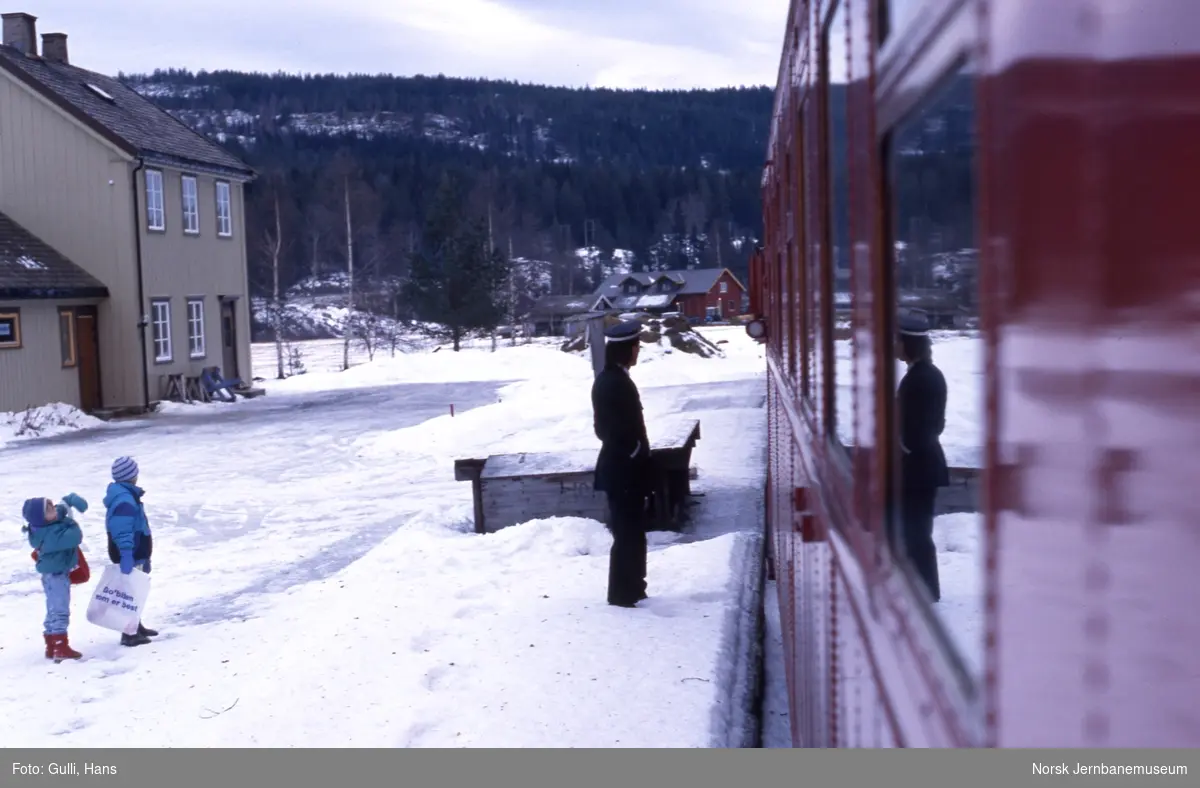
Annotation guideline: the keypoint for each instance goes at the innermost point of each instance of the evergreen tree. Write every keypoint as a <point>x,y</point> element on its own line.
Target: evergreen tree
<point>455,279</point>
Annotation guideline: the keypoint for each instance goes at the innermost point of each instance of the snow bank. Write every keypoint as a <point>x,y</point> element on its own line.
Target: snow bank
<point>57,418</point>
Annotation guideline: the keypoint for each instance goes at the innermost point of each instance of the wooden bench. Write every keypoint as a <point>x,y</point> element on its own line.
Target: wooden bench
<point>514,488</point>
<point>963,494</point>
<point>196,388</point>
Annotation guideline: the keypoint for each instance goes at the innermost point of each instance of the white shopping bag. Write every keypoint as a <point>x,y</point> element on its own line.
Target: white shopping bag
<point>118,600</point>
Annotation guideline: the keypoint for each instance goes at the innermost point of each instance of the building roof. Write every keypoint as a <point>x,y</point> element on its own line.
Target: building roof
<point>121,115</point>
<point>563,306</point>
<point>696,281</point>
<point>29,268</point>
<point>644,301</point>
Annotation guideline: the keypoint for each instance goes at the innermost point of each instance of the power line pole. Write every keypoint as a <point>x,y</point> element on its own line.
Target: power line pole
<point>490,247</point>
<point>589,238</point>
<point>565,233</point>
<point>512,296</point>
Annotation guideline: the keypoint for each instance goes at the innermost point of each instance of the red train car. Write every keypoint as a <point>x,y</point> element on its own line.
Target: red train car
<point>1024,173</point>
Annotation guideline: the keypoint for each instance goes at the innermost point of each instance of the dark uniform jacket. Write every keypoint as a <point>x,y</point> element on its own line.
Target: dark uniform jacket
<point>623,463</point>
<point>921,402</point>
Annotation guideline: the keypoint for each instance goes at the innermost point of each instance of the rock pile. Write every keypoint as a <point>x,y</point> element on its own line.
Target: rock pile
<point>677,331</point>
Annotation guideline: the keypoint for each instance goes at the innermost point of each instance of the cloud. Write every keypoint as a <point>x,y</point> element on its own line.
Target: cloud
<point>612,43</point>
<point>717,26</point>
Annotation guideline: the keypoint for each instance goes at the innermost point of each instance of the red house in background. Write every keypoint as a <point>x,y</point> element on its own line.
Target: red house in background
<point>697,293</point>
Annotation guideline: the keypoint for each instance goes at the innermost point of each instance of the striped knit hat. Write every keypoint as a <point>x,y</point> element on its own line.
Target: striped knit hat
<point>124,469</point>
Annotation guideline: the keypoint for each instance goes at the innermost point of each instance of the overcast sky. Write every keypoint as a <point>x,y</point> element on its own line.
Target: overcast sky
<point>603,43</point>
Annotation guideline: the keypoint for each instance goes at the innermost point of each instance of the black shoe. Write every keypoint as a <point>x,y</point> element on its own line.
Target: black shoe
<point>622,604</point>
<point>134,640</point>
<point>150,633</point>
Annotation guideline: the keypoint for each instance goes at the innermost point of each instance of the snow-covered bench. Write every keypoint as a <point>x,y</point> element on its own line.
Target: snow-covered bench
<point>514,488</point>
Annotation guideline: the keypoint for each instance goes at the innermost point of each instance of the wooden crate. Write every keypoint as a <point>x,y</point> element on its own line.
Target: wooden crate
<point>515,488</point>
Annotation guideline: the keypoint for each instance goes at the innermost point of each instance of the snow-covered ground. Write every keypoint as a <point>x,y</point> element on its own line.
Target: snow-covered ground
<point>317,584</point>
<point>959,540</point>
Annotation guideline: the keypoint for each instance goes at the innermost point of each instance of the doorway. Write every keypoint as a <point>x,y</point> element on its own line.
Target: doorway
<point>229,361</point>
<point>87,343</point>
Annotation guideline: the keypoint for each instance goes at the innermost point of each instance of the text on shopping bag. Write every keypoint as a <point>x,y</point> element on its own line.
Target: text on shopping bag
<point>115,596</point>
<point>118,600</point>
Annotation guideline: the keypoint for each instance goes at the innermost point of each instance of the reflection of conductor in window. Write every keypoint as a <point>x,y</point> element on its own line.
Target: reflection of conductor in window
<point>623,466</point>
<point>921,411</point>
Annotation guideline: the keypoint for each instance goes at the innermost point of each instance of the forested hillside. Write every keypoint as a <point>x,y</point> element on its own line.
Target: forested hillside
<point>662,179</point>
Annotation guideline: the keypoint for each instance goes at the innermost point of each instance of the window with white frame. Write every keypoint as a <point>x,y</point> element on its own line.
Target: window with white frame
<point>224,210</point>
<point>160,322</point>
<point>156,216</point>
<point>195,312</point>
<point>191,205</point>
<point>724,287</point>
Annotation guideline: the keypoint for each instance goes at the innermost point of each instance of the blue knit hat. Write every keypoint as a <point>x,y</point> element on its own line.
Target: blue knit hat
<point>34,511</point>
<point>124,469</point>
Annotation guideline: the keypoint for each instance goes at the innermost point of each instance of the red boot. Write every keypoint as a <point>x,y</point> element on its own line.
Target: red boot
<point>62,649</point>
<point>49,645</point>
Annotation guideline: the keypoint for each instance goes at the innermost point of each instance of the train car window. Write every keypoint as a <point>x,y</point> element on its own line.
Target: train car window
<point>937,412</point>
<point>799,303</point>
<point>840,413</point>
<point>789,284</point>
<point>812,278</point>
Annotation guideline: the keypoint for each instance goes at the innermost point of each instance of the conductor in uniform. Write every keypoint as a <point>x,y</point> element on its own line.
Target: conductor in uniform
<point>623,465</point>
<point>921,411</point>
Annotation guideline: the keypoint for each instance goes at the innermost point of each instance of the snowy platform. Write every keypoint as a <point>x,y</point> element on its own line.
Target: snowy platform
<point>323,588</point>
<point>503,641</point>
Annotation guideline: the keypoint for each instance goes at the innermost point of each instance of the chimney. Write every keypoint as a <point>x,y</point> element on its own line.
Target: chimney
<point>20,32</point>
<point>54,47</point>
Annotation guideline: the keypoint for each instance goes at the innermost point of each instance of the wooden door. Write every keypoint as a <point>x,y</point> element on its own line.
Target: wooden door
<point>87,342</point>
<point>229,368</point>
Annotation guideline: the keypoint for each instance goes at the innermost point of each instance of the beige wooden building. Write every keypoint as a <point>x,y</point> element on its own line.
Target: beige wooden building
<point>146,213</point>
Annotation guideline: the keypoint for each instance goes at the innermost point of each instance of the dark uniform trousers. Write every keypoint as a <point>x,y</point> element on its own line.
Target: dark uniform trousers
<point>917,506</point>
<point>627,559</point>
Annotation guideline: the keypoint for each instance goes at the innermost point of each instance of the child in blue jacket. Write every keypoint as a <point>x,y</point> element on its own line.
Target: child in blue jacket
<point>129,542</point>
<point>55,537</point>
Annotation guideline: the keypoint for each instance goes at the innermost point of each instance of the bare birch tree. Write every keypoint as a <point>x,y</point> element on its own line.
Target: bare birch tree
<point>273,246</point>
<point>349,326</point>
